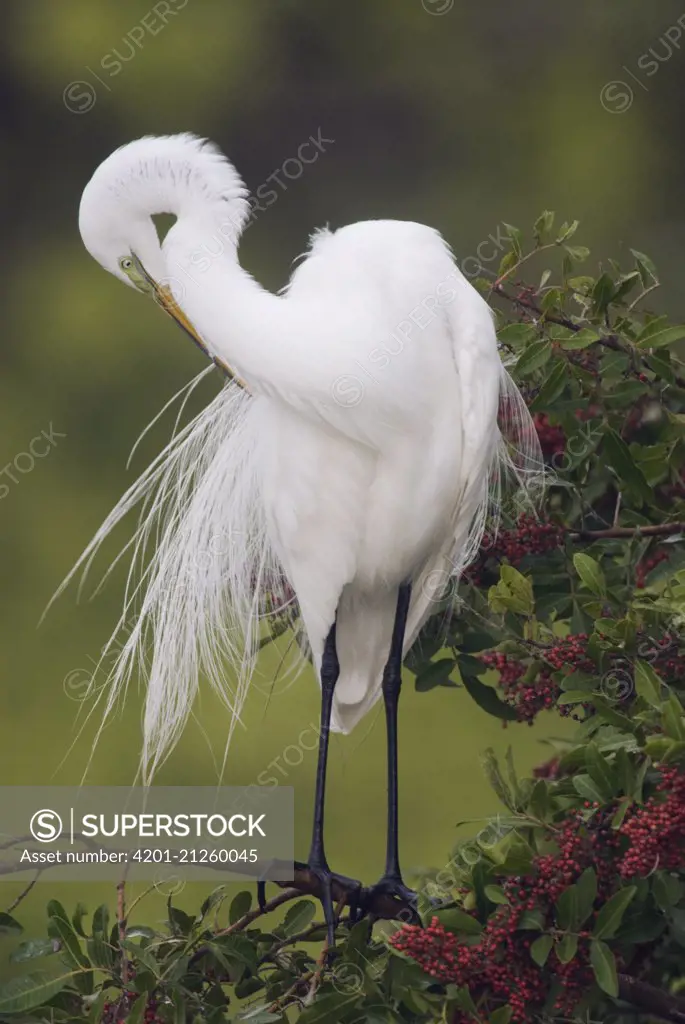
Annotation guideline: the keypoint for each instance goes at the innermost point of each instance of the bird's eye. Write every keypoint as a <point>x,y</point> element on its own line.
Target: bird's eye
<point>134,271</point>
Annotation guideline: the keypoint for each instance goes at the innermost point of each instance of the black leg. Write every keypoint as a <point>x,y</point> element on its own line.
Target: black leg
<point>391,882</point>
<point>330,670</point>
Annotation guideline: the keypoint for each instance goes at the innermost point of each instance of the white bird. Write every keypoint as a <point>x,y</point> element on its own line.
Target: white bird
<point>352,453</point>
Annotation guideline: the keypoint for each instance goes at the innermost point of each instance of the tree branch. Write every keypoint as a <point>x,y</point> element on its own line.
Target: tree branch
<point>660,530</point>
<point>652,1000</point>
<point>608,340</point>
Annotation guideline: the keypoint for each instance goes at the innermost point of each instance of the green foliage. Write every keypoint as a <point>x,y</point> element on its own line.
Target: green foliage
<point>574,608</point>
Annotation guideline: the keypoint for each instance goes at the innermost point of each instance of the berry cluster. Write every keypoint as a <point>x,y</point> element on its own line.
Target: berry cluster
<point>656,831</point>
<point>530,536</point>
<point>646,565</point>
<point>499,965</point>
<point>121,1009</point>
<point>552,438</point>
<point>529,693</point>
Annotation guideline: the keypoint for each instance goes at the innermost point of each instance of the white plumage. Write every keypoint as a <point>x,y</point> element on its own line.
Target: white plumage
<point>362,454</point>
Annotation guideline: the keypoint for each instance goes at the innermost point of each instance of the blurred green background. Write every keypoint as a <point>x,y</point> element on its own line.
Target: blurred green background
<point>459,115</point>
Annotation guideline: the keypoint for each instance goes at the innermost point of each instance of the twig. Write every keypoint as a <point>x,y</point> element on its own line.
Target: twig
<point>279,1003</point>
<point>640,297</point>
<point>121,922</point>
<point>318,974</point>
<point>15,903</point>
<point>252,915</point>
<point>292,939</point>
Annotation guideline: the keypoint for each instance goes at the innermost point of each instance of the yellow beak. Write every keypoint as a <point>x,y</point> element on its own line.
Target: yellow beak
<point>163,297</point>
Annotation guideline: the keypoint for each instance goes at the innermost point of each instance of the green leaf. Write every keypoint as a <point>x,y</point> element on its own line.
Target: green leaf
<point>486,698</point>
<point>543,225</point>
<point>143,956</point>
<point>647,683</point>
<point>137,1010</point>
<point>513,593</point>
<point>59,926</point>
<point>80,912</point>
<point>101,922</point>
<point>566,949</point>
<point>8,925</point>
<point>179,1004</point>
<point>604,967</point>
<point>34,948</point>
<point>30,990</point>
<point>97,1006</point>
<point>590,573</point>
<point>435,673</point>
<point>600,772</point>
<point>586,887</point>
<point>240,905</point>
<point>517,333</point>
<point>567,908</point>
<point>540,949</point>
<point>659,339</point>
<point>299,915</point>
<point>455,920</point>
<point>672,718</point>
<point>581,339</point>
<point>574,697</point>
<point>496,894</point>
<point>511,853</point>
<point>619,815</point>
<point>578,253</point>
<point>464,1000</point>
<point>668,891</point>
<point>140,931</point>
<point>508,261</point>
<point>180,922</point>
<point>501,1016</point>
<point>645,263</point>
<point>626,285</point>
<point>215,897</point>
<point>533,357</point>
<point>515,237</point>
<point>623,464</point>
<point>551,387</point>
<point>602,294</point>
<point>496,779</point>
<point>544,278</point>
<point>610,916</point>
<point>566,230</point>
<point>588,789</point>
<point>613,717</point>
<point>100,953</point>
<point>531,921</point>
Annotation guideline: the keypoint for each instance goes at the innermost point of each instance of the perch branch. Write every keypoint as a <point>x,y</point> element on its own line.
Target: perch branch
<point>651,1000</point>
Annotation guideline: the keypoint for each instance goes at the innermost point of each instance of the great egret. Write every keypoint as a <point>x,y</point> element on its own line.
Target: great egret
<point>352,452</point>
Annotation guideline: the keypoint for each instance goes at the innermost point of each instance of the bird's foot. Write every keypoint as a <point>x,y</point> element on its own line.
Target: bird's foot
<point>393,886</point>
<point>328,882</point>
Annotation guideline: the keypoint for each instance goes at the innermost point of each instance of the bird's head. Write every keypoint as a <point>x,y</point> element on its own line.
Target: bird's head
<point>174,174</point>
<point>118,233</point>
